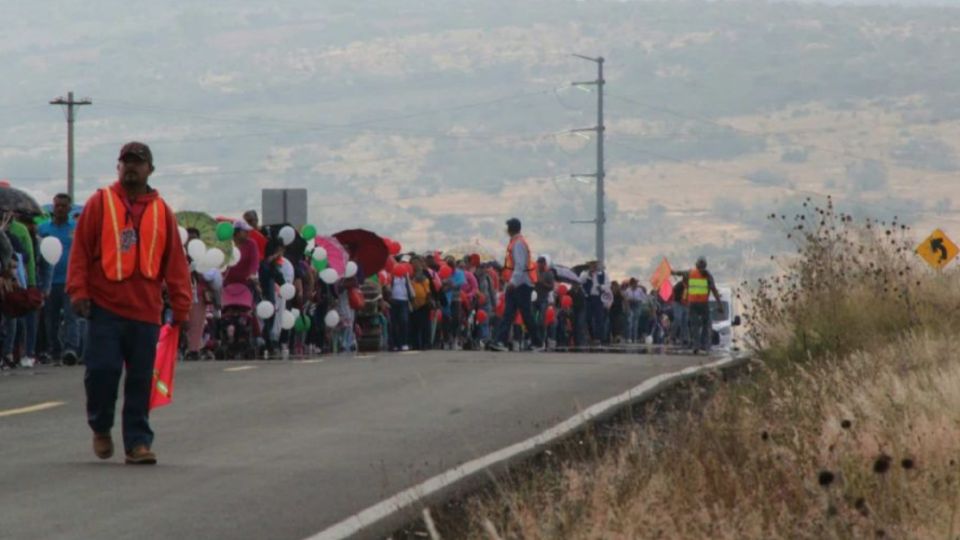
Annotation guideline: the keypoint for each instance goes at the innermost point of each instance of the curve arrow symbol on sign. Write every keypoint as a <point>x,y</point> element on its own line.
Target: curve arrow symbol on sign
<point>937,245</point>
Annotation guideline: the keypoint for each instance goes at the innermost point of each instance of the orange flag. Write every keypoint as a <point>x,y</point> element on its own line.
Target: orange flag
<point>661,274</point>
<point>161,392</point>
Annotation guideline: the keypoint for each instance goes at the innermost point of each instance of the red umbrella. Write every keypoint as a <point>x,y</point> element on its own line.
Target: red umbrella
<point>366,249</point>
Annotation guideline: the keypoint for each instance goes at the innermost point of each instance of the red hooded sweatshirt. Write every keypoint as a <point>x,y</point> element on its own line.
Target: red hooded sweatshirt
<point>136,298</point>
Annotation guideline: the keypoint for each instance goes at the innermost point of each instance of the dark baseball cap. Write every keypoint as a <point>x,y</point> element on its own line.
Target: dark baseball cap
<point>138,149</point>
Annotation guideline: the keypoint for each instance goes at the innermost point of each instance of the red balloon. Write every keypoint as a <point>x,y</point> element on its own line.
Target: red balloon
<point>562,289</point>
<point>445,272</point>
<point>501,306</point>
<point>518,320</point>
<point>481,299</point>
<point>356,299</point>
<point>566,302</point>
<point>394,247</point>
<point>388,266</point>
<point>482,317</point>
<point>399,270</point>
<point>551,316</point>
<point>464,298</point>
<point>383,276</point>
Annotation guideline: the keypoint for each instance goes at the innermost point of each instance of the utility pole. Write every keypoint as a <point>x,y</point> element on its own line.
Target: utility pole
<point>69,105</point>
<point>600,175</point>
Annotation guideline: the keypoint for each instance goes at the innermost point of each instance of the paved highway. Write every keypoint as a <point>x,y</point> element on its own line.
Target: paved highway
<point>283,450</point>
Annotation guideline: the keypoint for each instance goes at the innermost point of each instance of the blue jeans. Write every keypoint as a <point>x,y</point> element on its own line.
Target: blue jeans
<point>681,323</point>
<point>596,318</point>
<point>400,323</point>
<point>701,326</point>
<point>22,330</point>
<point>518,299</point>
<point>114,342</point>
<point>58,313</point>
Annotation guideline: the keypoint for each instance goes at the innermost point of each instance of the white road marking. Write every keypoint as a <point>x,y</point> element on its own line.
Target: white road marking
<point>239,368</point>
<point>32,408</point>
<point>406,498</point>
<point>310,361</point>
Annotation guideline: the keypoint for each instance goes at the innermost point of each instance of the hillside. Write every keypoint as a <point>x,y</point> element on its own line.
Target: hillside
<point>435,121</point>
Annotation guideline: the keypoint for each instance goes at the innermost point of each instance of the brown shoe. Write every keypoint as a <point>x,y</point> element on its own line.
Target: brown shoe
<point>141,455</point>
<point>103,445</point>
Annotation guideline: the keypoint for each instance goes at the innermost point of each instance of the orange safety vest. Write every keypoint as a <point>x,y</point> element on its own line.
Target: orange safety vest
<point>698,288</point>
<point>509,264</point>
<point>126,247</point>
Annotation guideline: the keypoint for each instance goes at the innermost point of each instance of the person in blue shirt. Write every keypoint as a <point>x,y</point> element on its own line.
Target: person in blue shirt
<point>58,311</point>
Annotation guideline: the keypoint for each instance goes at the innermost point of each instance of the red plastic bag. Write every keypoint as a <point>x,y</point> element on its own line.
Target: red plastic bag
<point>161,392</point>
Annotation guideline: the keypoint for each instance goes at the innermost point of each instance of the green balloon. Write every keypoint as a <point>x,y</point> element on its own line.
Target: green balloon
<point>303,324</point>
<point>40,220</point>
<point>320,266</point>
<point>224,231</point>
<point>308,232</point>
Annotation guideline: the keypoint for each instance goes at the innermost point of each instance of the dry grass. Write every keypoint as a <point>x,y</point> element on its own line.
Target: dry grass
<point>848,427</point>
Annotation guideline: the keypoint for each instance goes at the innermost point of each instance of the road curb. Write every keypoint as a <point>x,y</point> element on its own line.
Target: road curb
<point>391,513</point>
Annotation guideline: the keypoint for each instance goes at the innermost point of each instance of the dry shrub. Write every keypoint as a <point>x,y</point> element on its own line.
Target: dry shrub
<point>847,428</point>
<point>782,456</point>
<point>851,285</point>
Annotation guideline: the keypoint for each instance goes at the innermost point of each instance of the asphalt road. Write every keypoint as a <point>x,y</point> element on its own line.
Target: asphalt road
<point>282,450</point>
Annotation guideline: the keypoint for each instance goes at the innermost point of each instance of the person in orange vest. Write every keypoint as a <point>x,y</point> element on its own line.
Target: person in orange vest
<point>699,285</point>
<point>519,276</point>
<point>126,248</point>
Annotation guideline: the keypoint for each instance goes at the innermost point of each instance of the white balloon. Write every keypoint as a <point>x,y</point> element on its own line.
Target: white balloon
<point>311,244</point>
<point>196,249</point>
<point>332,318</point>
<point>288,291</point>
<point>183,235</point>
<point>214,258</point>
<point>329,276</point>
<point>235,257</point>
<point>265,310</point>
<point>319,254</point>
<point>287,320</point>
<point>296,313</point>
<point>51,249</point>
<point>406,258</point>
<point>287,235</point>
<point>533,296</point>
<point>350,270</point>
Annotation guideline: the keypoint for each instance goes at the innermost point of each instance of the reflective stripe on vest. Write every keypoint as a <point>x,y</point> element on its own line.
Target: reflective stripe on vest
<point>509,264</point>
<point>698,288</point>
<point>126,248</point>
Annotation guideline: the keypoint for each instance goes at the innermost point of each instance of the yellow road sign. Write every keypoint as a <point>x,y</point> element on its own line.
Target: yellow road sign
<point>938,250</point>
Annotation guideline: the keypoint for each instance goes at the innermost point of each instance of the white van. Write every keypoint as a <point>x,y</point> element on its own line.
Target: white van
<point>724,324</point>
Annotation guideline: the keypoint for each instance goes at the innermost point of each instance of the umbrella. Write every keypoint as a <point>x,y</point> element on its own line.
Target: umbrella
<point>337,256</point>
<point>17,201</point>
<point>462,250</point>
<point>367,249</point>
<point>565,274</point>
<point>207,227</point>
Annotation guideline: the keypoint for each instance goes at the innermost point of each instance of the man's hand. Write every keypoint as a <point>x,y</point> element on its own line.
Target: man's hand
<point>82,307</point>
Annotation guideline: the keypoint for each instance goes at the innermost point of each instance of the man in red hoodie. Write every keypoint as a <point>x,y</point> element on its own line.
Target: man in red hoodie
<point>126,247</point>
